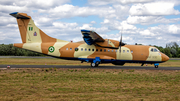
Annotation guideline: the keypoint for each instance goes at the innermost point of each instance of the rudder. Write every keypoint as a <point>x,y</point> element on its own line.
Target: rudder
<point>29,32</point>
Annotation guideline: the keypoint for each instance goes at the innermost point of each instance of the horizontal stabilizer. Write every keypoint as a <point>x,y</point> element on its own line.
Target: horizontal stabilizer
<point>20,15</point>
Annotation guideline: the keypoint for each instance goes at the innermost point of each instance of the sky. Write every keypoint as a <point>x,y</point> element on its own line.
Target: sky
<point>148,22</point>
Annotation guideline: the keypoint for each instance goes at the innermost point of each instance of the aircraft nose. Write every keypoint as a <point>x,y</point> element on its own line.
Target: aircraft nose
<point>164,57</point>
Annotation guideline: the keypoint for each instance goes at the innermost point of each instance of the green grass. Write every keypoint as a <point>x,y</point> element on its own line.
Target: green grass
<point>89,84</point>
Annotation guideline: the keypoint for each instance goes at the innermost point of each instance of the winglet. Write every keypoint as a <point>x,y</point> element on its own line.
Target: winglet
<point>20,15</point>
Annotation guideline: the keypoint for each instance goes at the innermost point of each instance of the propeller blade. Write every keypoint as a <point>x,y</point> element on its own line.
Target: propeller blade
<point>120,43</point>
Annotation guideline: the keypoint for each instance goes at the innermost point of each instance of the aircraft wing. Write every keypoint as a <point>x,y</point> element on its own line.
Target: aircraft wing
<point>91,37</point>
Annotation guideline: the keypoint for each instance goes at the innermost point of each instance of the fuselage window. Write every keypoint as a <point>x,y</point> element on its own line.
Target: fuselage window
<point>81,49</point>
<point>127,51</point>
<point>112,50</point>
<point>76,49</point>
<point>108,50</point>
<point>96,49</point>
<point>116,50</point>
<point>70,48</point>
<point>92,49</point>
<point>66,48</point>
<point>131,51</point>
<point>104,50</point>
<point>89,49</point>
<point>123,51</point>
<point>85,49</point>
<point>100,50</point>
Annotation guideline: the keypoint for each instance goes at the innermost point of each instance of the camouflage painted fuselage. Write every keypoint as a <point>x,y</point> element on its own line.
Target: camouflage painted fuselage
<point>36,40</point>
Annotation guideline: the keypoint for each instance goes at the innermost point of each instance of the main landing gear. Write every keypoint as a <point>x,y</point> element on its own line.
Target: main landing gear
<point>95,62</point>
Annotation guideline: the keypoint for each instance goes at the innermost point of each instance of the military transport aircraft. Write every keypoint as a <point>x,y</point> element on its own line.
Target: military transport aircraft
<point>94,49</point>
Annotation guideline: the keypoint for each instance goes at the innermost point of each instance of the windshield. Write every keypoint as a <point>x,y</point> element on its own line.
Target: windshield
<point>154,50</point>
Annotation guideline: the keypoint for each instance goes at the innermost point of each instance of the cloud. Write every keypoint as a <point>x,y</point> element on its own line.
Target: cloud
<point>12,8</point>
<point>117,25</point>
<point>68,11</point>
<point>62,19</point>
<point>147,20</point>
<point>64,25</point>
<point>36,4</point>
<point>93,22</point>
<point>146,33</point>
<point>166,29</point>
<point>174,29</point>
<point>107,2</point>
<point>154,8</point>
<point>87,26</point>
<point>106,21</point>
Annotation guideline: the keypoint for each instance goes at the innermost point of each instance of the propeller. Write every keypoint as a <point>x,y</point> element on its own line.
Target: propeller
<point>120,42</point>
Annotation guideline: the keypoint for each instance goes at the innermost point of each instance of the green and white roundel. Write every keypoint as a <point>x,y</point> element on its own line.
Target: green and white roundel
<point>51,49</point>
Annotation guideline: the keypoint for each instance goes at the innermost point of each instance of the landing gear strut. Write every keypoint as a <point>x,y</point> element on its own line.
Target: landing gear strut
<point>142,64</point>
<point>156,65</point>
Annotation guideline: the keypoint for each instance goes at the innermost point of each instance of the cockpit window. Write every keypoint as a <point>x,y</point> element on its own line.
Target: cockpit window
<point>154,50</point>
<point>151,49</point>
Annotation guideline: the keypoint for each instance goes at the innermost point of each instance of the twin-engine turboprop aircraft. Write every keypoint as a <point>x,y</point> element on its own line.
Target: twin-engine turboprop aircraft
<point>94,49</point>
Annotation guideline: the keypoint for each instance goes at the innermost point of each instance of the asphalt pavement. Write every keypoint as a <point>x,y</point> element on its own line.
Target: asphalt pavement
<point>99,67</point>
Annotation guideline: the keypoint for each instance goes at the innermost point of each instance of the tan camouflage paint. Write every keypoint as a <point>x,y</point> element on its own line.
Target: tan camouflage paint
<point>42,43</point>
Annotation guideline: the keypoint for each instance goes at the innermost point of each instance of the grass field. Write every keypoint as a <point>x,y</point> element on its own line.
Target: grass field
<point>55,61</point>
<point>44,84</point>
<point>89,84</point>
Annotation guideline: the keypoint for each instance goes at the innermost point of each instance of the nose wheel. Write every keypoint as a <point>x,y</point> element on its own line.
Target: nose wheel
<point>156,65</point>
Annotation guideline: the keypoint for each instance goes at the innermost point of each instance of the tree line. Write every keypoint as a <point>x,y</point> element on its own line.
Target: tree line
<point>172,50</point>
<point>10,50</point>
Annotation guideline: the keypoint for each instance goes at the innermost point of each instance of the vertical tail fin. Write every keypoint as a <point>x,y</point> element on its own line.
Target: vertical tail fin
<point>30,33</point>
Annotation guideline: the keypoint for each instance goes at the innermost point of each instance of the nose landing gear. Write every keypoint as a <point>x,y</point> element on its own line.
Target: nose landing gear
<point>156,65</point>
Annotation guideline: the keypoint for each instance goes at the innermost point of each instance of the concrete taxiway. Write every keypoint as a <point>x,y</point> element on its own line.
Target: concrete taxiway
<point>42,57</point>
<point>100,67</point>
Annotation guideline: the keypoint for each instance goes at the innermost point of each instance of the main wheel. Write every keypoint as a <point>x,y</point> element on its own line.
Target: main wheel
<point>93,64</point>
<point>97,64</point>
